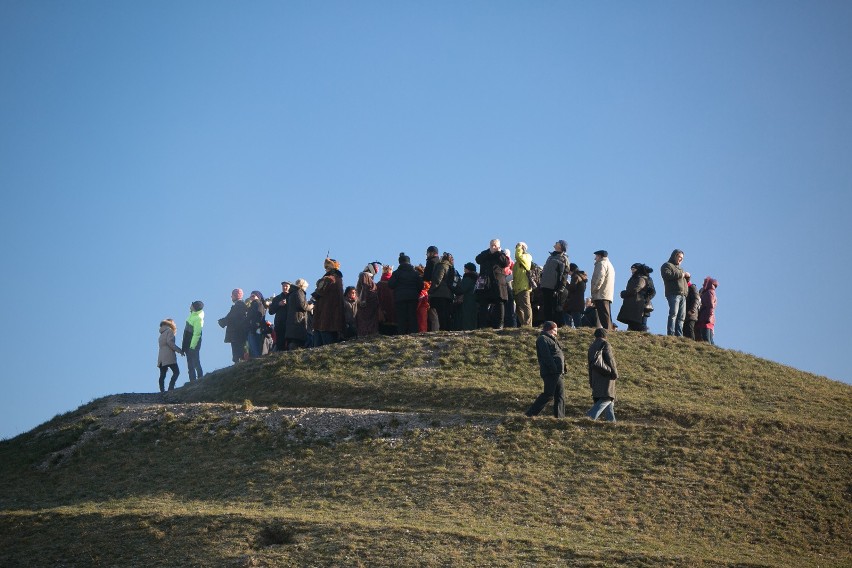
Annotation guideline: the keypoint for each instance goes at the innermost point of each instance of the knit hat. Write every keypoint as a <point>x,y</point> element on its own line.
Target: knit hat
<point>603,253</point>
<point>330,263</point>
<point>197,306</point>
<point>548,325</point>
<point>372,268</point>
<point>432,249</point>
<point>572,267</point>
<point>470,266</point>
<point>387,269</point>
<point>257,294</point>
<point>600,332</point>
<point>237,293</point>
<point>404,258</point>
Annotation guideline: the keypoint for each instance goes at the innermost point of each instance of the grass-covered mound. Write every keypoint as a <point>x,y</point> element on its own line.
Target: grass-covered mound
<point>719,459</point>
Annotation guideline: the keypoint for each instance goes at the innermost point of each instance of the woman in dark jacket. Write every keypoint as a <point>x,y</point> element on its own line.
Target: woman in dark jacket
<point>602,376</point>
<point>296,331</point>
<point>440,292</point>
<point>406,284</point>
<point>495,293</point>
<point>693,305</point>
<point>636,298</point>
<point>256,322</point>
<point>576,304</point>
<point>367,318</point>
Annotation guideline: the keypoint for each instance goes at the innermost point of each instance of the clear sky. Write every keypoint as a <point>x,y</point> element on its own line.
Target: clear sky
<point>156,153</point>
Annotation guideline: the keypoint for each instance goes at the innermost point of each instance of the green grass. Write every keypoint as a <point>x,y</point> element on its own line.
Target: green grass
<point>716,461</point>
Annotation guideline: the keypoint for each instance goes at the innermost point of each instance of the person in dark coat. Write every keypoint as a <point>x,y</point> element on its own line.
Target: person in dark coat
<point>575,304</point>
<point>432,260</point>
<point>256,323</point>
<point>693,305</point>
<point>367,318</point>
<point>296,331</point>
<point>440,291</point>
<point>553,280</point>
<point>406,284</point>
<point>636,298</point>
<point>494,294</point>
<point>466,290</point>
<point>328,305</point>
<point>551,364</point>
<point>278,308</point>
<point>602,375</point>
<point>387,309</point>
<point>236,330</point>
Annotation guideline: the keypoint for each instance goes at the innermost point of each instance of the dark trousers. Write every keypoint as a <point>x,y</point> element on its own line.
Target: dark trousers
<point>406,316</point>
<point>689,329</point>
<point>193,362</point>
<point>554,388</point>
<point>293,344</point>
<point>547,312</point>
<point>175,373</point>
<point>492,314</point>
<point>325,338</point>
<point>443,307</point>
<point>604,314</point>
<point>238,349</point>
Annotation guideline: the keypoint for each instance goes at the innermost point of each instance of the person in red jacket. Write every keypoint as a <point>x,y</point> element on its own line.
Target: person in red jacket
<point>707,313</point>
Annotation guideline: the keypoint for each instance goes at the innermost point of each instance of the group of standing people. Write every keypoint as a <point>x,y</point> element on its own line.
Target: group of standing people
<point>433,296</point>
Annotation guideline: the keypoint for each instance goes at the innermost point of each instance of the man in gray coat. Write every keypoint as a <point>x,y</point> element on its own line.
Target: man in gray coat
<point>551,364</point>
<point>602,376</point>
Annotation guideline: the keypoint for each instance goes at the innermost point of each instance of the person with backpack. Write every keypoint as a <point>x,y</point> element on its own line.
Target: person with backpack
<point>522,285</point>
<point>441,291</point>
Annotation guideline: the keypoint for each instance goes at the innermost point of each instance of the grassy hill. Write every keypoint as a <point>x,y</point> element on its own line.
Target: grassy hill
<point>718,459</point>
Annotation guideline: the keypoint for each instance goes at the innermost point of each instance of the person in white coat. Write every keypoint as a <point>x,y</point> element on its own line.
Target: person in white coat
<point>603,288</point>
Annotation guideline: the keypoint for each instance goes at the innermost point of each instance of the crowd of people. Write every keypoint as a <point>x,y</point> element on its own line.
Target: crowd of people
<point>433,295</point>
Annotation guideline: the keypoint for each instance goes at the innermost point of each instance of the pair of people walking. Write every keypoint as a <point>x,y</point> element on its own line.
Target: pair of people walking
<point>602,374</point>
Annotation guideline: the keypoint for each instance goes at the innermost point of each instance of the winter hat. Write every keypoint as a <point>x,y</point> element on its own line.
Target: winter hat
<point>197,306</point>
<point>330,263</point>
<point>257,294</point>
<point>170,323</point>
<point>237,293</point>
<point>572,267</point>
<point>548,325</point>
<point>470,266</point>
<point>600,332</point>
<point>603,253</point>
<point>404,258</point>
<point>710,281</point>
<point>387,269</point>
<point>420,269</point>
<point>563,245</point>
<point>432,249</point>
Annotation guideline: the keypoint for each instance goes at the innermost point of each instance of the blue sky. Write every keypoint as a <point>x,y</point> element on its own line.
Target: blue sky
<point>155,153</point>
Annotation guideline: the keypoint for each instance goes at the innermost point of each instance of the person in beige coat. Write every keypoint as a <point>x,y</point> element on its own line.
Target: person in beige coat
<point>603,288</point>
<point>167,357</point>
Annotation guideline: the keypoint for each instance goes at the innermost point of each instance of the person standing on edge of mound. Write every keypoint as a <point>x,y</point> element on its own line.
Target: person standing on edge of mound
<point>551,363</point>
<point>602,375</point>
<point>235,324</point>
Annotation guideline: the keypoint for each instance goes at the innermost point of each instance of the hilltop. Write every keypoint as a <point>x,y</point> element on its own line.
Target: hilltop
<point>413,451</point>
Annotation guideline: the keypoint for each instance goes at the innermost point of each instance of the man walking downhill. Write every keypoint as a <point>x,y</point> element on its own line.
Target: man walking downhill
<point>551,363</point>
<point>674,278</point>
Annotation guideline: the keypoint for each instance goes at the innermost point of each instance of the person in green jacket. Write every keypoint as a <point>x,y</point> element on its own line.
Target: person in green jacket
<point>191,344</point>
<point>521,285</point>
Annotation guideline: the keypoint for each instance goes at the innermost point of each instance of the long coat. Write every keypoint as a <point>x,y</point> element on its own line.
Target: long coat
<point>367,318</point>
<point>693,303</point>
<point>328,302</point>
<point>235,324</point>
<point>280,313</point>
<point>469,308</point>
<point>442,278</point>
<point>576,292</point>
<point>492,265</point>
<point>635,299</point>
<point>603,384</point>
<point>167,356</point>
<point>551,360</point>
<point>603,280</point>
<point>297,315</point>
<point>707,314</point>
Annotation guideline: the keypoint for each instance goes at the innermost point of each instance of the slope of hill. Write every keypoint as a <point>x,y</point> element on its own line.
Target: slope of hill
<point>413,451</point>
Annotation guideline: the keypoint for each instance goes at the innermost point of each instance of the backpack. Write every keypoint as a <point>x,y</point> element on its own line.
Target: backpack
<point>534,276</point>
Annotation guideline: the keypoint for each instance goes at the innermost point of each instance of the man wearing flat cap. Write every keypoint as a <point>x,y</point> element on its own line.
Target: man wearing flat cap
<point>603,288</point>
